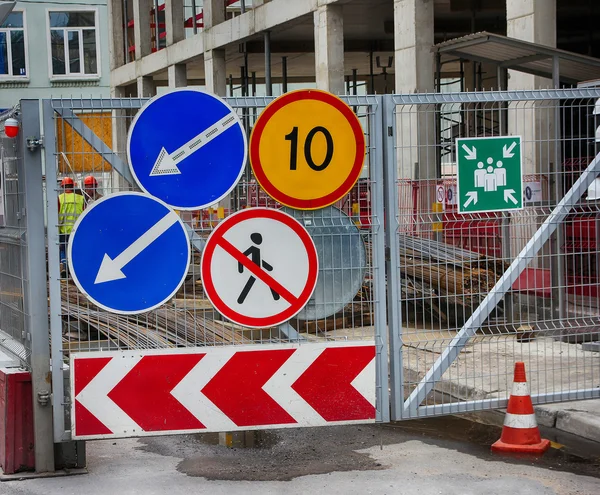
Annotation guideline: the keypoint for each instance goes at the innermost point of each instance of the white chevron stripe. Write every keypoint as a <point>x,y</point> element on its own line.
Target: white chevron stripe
<point>279,386</point>
<point>188,391</point>
<point>365,381</point>
<point>94,397</point>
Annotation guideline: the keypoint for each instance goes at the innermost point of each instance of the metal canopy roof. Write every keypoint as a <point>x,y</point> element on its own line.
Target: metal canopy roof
<point>532,58</point>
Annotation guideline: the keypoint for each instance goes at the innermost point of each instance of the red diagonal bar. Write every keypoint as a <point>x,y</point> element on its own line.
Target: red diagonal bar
<point>84,371</point>
<point>326,384</point>
<point>257,271</point>
<point>144,394</point>
<point>237,388</point>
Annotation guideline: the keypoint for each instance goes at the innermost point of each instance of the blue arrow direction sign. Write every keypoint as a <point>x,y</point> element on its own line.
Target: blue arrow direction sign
<point>187,148</point>
<point>129,253</point>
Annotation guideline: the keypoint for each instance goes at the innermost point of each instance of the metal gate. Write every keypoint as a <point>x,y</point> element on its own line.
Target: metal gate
<point>461,296</point>
<point>470,292</point>
<point>88,137</point>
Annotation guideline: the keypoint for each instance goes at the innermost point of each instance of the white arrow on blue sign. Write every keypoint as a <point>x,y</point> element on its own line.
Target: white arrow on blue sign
<point>187,148</point>
<point>129,253</point>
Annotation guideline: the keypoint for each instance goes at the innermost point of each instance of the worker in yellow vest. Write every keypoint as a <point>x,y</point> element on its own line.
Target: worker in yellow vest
<point>70,206</point>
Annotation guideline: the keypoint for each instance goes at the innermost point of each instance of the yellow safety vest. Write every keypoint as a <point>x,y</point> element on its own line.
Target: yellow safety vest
<point>71,206</point>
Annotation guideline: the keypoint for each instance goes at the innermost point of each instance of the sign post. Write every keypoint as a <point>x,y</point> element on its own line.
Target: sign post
<point>490,174</point>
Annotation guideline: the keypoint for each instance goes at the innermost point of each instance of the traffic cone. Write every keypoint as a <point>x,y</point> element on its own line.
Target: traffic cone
<point>520,432</point>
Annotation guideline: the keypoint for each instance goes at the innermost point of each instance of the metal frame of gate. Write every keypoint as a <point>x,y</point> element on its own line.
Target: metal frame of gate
<point>445,346</point>
<point>381,115</point>
<point>369,109</point>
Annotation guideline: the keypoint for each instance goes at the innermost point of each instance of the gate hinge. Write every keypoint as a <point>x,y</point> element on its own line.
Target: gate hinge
<point>390,131</point>
<point>35,143</point>
<point>43,397</point>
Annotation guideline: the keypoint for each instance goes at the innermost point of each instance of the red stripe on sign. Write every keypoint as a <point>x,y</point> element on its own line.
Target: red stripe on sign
<point>144,394</point>
<point>88,424</point>
<point>237,388</point>
<point>86,369</point>
<point>257,271</point>
<point>520,404</point>
<point>326,384</point>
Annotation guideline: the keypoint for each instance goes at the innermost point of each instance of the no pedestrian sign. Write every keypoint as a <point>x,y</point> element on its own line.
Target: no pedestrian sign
<point>259,267</point>
<point>490,174</point>
<point>307,149</point>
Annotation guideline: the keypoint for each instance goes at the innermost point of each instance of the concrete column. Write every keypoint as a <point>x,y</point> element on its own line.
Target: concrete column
<point>215,72</point>
<point>413,39</point>
<point>145,87</point>
<point>141,27</point>
<point>116,45</point>
<point>213,13</point>
<point>177,76</point>
<point>533,21</point>
<point>174,18</point>
<point>329,48</point>
<point>415,129</point>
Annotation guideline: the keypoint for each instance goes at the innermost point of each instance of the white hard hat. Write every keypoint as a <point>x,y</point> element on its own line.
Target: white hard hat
<point>597,107</point>
<point>598,134</point>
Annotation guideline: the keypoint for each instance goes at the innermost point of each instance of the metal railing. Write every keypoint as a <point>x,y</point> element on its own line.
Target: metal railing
<point>348,303</point>
<point>471,293</point>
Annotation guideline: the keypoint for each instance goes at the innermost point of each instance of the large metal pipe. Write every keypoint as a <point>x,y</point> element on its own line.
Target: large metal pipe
<point>156,30</point>
<point>268,84</point>
<point>194,27</point>
<point>284,86</point>
<point>371,75</point>
<point>125,47</point>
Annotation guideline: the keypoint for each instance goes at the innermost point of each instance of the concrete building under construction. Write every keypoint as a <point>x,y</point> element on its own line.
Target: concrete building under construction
<point>264,47</point>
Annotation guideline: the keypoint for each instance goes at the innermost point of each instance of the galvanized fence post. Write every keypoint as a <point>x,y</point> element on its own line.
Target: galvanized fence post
<point>377,203</point>
<point>36,295</point>
<point>58,393</point>
<point>392,262</point>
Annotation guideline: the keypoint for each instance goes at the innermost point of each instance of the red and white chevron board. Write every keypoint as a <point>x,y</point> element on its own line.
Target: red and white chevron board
<point>158,392</point>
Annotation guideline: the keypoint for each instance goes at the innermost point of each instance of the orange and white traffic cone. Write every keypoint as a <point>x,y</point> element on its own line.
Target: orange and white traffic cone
<point>520,432</point>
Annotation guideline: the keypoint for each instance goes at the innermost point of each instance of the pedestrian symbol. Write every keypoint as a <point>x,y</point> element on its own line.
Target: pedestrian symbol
<point>254,253</point>
<point>489,174</point>
<point>259,267</point>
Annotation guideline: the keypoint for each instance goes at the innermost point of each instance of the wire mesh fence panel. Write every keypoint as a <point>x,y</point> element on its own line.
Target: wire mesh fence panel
<point>14,332</point>
<point>87,139</point>
<point>493,254</point>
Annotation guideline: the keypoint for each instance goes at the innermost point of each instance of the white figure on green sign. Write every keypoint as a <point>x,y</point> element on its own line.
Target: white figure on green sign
<point>500,174</point>
<point>479,175</point>
<point>490,180</point>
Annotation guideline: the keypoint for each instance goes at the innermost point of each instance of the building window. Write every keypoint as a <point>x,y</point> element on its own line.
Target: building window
<point>13,54</point>
<point>74,43</point>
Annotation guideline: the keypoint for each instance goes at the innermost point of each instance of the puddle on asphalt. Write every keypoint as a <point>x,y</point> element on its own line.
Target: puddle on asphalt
<point>567,453</point>
<point>281,455</point>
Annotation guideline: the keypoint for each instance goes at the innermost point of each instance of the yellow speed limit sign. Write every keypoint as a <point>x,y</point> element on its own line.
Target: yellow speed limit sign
<point>307,149</point>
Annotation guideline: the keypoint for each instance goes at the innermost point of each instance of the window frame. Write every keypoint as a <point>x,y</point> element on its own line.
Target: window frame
<point>17,77</point>
<point>77,76</point>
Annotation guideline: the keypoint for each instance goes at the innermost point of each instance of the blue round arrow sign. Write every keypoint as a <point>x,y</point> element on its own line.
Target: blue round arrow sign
<point>129,253</point>
<point>187,148</point>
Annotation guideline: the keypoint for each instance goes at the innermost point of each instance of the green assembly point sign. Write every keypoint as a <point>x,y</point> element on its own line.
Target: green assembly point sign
<point>489,174</point>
